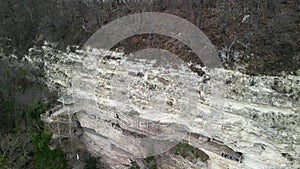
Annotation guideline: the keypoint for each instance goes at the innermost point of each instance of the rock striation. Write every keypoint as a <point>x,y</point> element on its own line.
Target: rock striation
<point>130,109</point>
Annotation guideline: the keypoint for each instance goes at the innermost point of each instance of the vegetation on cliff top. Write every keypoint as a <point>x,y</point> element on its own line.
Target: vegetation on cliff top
<point>263,36</point>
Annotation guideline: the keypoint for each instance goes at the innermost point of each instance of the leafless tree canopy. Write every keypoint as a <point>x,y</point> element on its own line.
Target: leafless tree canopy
<point>264,34</point>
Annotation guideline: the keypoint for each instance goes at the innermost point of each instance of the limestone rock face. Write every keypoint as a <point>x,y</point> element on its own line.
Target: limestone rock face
<point>130,108</point>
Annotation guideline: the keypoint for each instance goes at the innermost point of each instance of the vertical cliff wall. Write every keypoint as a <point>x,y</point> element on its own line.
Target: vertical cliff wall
<point>126,105</point>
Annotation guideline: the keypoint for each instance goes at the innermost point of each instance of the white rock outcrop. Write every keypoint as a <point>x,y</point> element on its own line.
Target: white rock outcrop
<point>254,120</point>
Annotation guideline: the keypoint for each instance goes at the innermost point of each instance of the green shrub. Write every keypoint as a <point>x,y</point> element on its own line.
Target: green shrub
<point>189,152</point>
<point>44,158</point>
<point>35,110</point>
<point>3,160</point>
<point>150,162</point>
<point>90,163</point>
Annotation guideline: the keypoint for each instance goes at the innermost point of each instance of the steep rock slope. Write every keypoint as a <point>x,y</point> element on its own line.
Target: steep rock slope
<point>237,120</point>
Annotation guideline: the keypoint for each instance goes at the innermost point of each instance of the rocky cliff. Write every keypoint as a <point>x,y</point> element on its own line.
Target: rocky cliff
<point>134,108</point>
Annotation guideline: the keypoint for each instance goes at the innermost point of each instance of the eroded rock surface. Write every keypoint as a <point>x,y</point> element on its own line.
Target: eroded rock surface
<point>237,120</point>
